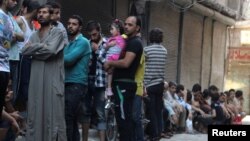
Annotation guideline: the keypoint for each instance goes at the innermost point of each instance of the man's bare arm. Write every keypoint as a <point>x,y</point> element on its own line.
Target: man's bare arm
<point>123,63</point>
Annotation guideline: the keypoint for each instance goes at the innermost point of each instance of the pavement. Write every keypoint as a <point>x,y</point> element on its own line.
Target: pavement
<point>176,137</point>
<point>188,137</point>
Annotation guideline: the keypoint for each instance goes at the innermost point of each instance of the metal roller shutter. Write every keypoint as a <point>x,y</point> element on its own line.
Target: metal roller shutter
<point>163,16</point>
<point>206,53</point>
<point>191,49</point>
<point>218,52</point>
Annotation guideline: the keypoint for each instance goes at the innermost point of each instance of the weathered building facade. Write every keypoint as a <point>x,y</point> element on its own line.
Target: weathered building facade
<point>238,61</point>
<point>196,32</point>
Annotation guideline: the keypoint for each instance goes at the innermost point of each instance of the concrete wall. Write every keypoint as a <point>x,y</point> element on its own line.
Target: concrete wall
<point>246,9</point>
<point>234,37</point>
<point>234,4</point>
<point>238,74</point>
<point>222,2</point>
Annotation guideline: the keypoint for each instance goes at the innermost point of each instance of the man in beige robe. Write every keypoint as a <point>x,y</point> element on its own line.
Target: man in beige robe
<point>46,120</point>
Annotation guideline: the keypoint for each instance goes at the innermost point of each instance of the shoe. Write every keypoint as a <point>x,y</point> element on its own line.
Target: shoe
<point>166,136</point>
<point>108,92</point>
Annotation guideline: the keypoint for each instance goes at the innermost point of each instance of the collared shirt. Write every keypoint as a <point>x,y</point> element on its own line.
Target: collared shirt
<point>100,80</point>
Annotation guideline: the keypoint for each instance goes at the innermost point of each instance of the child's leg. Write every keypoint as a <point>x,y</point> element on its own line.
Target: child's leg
<point>110,76</point>
<point>109,89</point>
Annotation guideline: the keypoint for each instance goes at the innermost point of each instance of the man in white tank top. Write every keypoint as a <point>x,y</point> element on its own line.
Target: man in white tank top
<point>26,21</point>
<point>26,24</point>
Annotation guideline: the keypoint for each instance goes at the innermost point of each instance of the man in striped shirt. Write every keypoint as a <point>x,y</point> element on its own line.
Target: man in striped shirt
<point>155,58</point>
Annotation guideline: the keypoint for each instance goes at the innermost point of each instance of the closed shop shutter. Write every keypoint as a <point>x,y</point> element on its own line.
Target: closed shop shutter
<point>99,10</point>
<point>206,53</point>
<point>218,54</point>
<point>165,17</point>
<point>191,49</point>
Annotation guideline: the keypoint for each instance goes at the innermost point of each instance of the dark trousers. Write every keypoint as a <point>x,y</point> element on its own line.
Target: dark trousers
<point>4,78</point>
<point>74,93</point>
<point>14,76</point>
<point>137,118</point>
<point>166,121</point>
<point>23,84</point>
<point>125,126</point>
<point>154,107</point>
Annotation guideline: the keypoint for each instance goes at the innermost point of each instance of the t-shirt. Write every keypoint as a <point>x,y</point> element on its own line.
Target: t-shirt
<point>15,48</point>
<point>134,45</point>
<point>139,76</point>
<point>219,111</point>
<point>155,58</point>
<point>6,33</point>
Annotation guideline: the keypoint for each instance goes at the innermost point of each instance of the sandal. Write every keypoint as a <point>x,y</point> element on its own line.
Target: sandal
<point>166,136</point>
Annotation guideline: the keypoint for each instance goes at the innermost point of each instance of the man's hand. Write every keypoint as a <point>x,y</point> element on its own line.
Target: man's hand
<point>16,115</point>
<point>110,44</point>
<point>94,46</point>
<point>145,94</point>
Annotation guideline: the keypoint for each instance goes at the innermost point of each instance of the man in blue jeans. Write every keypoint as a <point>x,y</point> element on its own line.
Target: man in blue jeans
<point>76,60</point>
<point>97,83</point>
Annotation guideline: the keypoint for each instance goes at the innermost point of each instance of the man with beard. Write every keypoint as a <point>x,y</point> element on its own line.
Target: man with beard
<point>46,119</point>
<point>97,83</point>
<point>124,86</point>
<point>76,61</point>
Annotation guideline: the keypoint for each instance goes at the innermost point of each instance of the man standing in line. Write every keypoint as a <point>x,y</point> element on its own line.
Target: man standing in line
<point>14,54</point>
<point>6,34</point>
<point>76,61</point>
<point>124,85</point>
<point>26,24</point>
<point>97,82</point>
<point>155,58</point>
<point>46,119</point>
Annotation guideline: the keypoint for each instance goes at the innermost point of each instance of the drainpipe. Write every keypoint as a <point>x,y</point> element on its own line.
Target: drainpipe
<point>226,54</point>
<point>178,76</point>
<point>211,55</point>
<point>202,41</point>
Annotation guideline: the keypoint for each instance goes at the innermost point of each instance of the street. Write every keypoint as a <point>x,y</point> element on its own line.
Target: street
<point>176,137</point>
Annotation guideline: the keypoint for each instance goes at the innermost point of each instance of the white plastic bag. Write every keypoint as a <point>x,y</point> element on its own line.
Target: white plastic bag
<point>189,126</point>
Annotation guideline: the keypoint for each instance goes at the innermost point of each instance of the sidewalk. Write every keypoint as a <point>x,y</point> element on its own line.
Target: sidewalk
<point>176,137</point>
<point>187,137</point>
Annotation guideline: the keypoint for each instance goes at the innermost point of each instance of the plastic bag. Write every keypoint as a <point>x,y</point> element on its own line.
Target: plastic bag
<point>189,126</point>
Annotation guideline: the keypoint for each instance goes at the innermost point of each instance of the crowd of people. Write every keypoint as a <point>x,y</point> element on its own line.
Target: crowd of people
<point>53,80</point>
